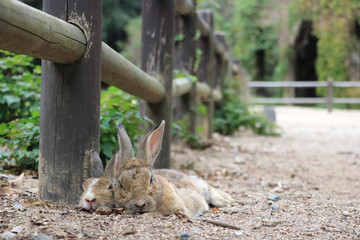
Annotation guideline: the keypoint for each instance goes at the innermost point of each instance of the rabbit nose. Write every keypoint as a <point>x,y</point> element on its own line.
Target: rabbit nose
<point>90,201</point>
<point>140,204</point>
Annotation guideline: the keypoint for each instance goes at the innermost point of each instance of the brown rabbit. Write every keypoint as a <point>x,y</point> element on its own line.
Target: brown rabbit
<point>98,190</point>
<point>165,191</point>
<point>101,190</point>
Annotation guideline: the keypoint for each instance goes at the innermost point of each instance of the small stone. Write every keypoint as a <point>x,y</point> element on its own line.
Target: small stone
<point>199,214</point>
<point>346,214</point>
<point>249,158</point>
<point>18,229</point>
<point>275,207</point>
<point>195,229</point>
<point>239,233</point>
<point>8,236</point>
<point>274,197</point>
<point>18,206</point>
<point>185,236</point>
<point>40,236</point>
<point>239,160</point>
<point>233,210</point>
<point>278,190</point>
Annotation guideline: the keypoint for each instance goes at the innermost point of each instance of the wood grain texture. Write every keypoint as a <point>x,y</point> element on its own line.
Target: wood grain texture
<point>70,107</point>
<point>26,30</point>
<point>157,60</point>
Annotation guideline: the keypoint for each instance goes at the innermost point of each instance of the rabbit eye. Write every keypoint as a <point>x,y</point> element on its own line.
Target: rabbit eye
<point>151,179</point>
<point>110,187</point>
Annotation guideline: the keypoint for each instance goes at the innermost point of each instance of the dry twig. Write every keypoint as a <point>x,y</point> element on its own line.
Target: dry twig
<point>222,224</point>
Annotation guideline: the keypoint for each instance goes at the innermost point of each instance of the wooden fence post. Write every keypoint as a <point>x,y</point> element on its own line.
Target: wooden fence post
<point>206,67</point>
<point>330,93</point>
<point>157,60</point>
<point>70,107</point>
<point>185,53</point>
<point>221,66</point>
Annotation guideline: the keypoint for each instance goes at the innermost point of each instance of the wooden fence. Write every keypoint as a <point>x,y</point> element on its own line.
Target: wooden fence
<point>329,99</point>
<point>66,35</point>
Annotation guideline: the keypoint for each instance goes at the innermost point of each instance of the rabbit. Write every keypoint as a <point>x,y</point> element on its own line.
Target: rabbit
<point>98,190</point>
<point>166,191</point>
<point>101,190</point>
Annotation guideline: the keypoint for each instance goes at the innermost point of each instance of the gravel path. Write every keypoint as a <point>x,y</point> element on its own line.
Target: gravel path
<point>302,185</point>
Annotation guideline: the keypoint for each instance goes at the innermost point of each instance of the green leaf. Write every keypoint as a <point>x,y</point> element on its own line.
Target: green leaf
<point>179,37</point>
<point>10,100</point>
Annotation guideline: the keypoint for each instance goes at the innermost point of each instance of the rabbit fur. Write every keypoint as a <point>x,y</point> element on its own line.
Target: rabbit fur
<point>101,189</point>
<point>98,190</point>
<point>142,189</point>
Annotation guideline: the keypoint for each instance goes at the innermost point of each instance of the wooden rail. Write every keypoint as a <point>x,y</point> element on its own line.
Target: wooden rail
<point>184,7</point>
<point>31,32</point>
<point>61,42</point>
<point>329,100</point>
<point>67,37</point>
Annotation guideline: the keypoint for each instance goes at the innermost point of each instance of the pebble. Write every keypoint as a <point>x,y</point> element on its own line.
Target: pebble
<point>275,207</point>
<point>239,160</point>
<point>278,190</point>
<point>8,236</point>
<point>233,210</point>
<point>40,236</point>
<point>18,206</point>
<point>239,233</point>
<point>274,197</point>
<point>199,214</point>
<point>185,236</point>
<point>196,229</point>
<point>346,213</point>
<point>249,158</point>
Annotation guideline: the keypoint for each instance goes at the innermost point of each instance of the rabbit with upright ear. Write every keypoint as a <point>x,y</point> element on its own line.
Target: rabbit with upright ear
<point>98,190</point>
<point>101,190</point>
<point>165,191</point>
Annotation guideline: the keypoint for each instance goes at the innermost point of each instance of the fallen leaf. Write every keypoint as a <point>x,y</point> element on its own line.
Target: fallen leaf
<point>181,215</point>
<point>102,211</point>
<point>129,232</point>
<point>118,210</point>
<point>216,210</point>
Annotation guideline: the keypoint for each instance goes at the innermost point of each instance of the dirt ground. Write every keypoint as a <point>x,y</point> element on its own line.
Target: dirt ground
<point>302,185</point>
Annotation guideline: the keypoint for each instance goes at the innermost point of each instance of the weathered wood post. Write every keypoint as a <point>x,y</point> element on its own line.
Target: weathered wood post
<point>330,94</point>
<point>157,60</point>
<point>221,62</point>
<point>206,67</point>
<point>184,59</point>
<point>70,106</point>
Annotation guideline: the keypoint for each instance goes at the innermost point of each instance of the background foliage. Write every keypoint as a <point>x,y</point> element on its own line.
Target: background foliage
<point>252,25</point>
<point>233,113</point>
<point>20,113</point>
<point>334,22</point>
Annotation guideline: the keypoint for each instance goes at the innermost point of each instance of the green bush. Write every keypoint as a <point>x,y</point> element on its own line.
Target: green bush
<point>118,106</point>
<point>233,113</point>
<point>20,113</point>
<point>20,109</point>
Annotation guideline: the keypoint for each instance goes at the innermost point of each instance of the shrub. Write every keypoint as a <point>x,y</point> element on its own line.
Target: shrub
<point>233,113</point>
<point>20,113</point>
<point>20,109</point>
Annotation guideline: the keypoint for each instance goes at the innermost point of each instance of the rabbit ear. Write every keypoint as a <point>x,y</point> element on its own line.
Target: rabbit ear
<point>97,168</point>
<point>150,147</point>
<point>125,149</point>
